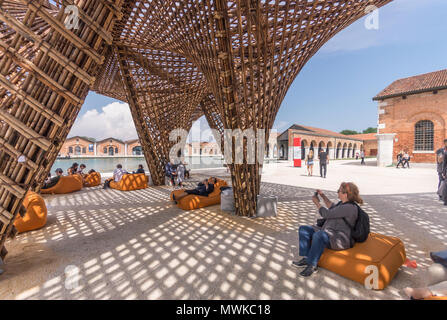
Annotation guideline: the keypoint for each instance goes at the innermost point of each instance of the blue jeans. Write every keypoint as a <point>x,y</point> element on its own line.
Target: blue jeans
<point>312,244</point>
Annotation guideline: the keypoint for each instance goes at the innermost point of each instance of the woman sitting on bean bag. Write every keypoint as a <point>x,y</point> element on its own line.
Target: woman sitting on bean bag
<point>335,233</point>
<point>203,189</point>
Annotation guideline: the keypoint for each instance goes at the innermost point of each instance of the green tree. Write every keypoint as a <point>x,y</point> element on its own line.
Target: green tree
<point>349,132</point>
<point>370,130</point>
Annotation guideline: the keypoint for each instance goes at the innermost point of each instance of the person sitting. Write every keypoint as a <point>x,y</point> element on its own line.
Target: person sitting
<point>181,170</point>
<point>170,172</point>
<point>73,169</point>
<point>118,174</point>
<point>437,284</point>
<point>204,188</point>
<point>335,232</point>
<point>53,181</point>
<point>91,171</point>
<point>81,169</point>
<point>139,170</point>
<point>187,172</point>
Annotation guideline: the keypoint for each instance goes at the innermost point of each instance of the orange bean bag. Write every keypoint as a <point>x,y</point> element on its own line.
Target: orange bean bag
<point>92,180</point>
<point>436,298</point>
<point>193,201</point>
<point>384,252</point>
<point>36,213</point>
<point>66,184</point>
<point>131,182</point>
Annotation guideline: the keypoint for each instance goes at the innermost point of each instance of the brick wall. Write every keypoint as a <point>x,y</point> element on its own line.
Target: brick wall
<point>400,116</point>
<point>116,145</point>
<point>131,145</point>
<point>70,146</point>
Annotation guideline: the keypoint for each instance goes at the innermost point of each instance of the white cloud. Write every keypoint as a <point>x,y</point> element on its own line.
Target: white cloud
<point>115,120</point>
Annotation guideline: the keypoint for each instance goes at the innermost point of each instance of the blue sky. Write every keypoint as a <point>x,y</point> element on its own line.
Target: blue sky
<point>335,89</point>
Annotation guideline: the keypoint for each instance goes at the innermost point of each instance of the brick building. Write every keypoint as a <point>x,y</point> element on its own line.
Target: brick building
<point>111,147</point>
<point>133,148</point>
<point>412,117</point>
<point>337,145</point>
<point>78,146</point>
<point>202,149</point>
<point>369,143</point>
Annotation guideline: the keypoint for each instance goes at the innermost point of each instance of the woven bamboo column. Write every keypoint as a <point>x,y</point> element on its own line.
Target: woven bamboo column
<point>160,102</point>
<point>46,70</point>
<point>248,51</point>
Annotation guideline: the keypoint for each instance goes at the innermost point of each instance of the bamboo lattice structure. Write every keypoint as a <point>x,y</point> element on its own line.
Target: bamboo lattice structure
<point>172,61</point>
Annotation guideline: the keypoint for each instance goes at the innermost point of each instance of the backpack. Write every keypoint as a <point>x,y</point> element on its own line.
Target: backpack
<point>360,231</point>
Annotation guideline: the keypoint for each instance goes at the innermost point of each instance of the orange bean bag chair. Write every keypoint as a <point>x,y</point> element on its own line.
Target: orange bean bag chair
<point>193,201</point>
<point>36,213</point>
<point>66,184</point>
<point>384,252</point>
<point>92,180</point>
<point>130,182</point>
<point>436,298</point>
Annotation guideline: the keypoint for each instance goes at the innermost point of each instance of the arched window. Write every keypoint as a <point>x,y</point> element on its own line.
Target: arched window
<point>116,150</point>
<point>70,149</point>
<point>77,150</point>
<point>105,150</point>
<point>424,135</point>
<point>138,151</point>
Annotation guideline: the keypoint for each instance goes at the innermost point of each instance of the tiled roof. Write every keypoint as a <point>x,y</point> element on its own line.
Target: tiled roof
<point>422,83</point>
<point>319,131</point>
<point>82,138</point>
<point>365,136</point>
<point>120,141</point>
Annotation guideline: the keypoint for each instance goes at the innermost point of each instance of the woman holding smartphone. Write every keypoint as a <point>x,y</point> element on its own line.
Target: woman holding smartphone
<point>335,233</point>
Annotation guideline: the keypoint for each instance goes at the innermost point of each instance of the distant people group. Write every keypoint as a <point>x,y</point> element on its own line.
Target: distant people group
<point>323,158</point>
<point>176,173</point>
<point>119,172</point>
<point>403,159</point>
<point>74,169</point>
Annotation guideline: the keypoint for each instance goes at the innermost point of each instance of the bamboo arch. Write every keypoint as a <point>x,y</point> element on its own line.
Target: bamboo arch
<point>172,61</point>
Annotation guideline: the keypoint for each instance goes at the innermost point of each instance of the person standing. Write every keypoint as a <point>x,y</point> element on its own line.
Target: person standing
<point>406,160</point>
<point>324,161</point>
<point>180,174</point>
<point>310,163</point>
<point>400,159</point>
<point>362,155</point>
<point>440,155</point>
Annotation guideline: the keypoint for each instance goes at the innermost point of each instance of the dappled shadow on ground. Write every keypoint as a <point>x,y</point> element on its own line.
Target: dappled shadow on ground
<point>138,245</point>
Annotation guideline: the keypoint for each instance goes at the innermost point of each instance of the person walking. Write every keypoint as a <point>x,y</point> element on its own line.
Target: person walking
<point>440,155</point>
<point>406,160</point>
<point>400,159</point>
<point>324,161</point>
<point>362,155</point>
<point>310,163</point>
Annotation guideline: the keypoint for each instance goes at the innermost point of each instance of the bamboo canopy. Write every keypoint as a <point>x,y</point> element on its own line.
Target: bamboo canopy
<point>171,61</point>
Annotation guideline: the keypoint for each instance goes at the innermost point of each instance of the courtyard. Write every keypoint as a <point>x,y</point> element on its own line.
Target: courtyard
<point>139,245</point>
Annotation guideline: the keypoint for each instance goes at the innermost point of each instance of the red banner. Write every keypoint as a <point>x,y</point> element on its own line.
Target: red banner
<point>297,152</point>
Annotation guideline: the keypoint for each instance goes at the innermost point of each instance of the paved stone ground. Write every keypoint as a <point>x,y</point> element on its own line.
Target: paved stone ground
<point>138,245</point>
